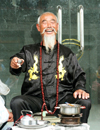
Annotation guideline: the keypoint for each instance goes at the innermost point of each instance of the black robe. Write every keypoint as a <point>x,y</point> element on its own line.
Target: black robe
<point>71,75</point>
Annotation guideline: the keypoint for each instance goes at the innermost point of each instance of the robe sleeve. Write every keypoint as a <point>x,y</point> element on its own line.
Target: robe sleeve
<point>79,76</point>
<point>20,55</point>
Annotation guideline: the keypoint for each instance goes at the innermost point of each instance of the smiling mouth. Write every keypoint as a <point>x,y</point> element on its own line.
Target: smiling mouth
<point>49,30</point>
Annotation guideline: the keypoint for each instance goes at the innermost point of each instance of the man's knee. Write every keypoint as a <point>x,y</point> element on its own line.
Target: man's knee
<point>86,102</point>
<point>16,101</point>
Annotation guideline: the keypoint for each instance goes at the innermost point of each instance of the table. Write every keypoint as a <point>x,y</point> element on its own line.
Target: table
<point>83,126</point>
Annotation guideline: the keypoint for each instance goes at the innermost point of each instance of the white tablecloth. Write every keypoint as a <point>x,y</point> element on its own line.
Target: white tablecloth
<point>83,126</point>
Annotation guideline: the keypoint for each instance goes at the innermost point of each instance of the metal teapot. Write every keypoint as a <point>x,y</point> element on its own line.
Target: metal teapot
<point>28,119</point>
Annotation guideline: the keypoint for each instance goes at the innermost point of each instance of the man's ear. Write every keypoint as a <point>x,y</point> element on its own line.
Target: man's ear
<point>38,27</point>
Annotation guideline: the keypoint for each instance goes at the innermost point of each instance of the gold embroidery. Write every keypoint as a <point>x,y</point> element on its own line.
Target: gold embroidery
<point>33,69</point>
<point>61,69</point>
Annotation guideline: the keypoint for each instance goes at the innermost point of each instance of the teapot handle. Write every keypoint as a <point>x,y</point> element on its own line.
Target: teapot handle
<point>26,111</point>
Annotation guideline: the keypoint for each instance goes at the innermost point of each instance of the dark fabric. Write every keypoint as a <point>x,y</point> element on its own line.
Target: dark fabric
<point>26,102</point>
<point>71,75</point>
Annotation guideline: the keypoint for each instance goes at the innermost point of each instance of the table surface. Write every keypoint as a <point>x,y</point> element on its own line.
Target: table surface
<point>83,126</point>
<point>53,125</point>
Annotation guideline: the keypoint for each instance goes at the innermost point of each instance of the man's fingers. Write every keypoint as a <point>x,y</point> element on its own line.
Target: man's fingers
<point>87,96</point>
<point>16,63</point>
<point>81,94</point>
<point>75,94</point>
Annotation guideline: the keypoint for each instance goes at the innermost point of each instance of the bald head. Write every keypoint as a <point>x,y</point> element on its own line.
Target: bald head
<point>46,13</point>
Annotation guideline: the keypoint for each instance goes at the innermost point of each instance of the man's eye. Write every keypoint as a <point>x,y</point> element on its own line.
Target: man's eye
<point>53,22</point>
<point>44,22</point>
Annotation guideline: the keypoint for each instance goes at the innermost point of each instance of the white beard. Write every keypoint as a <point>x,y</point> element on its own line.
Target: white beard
<point>49,42</point>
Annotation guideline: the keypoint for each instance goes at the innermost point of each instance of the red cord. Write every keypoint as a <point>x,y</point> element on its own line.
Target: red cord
<point>18,120</point>
<point>57,91</point>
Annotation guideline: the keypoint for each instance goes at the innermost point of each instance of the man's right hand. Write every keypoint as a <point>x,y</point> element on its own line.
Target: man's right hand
<point>14,63</point>
<point>10,119</point>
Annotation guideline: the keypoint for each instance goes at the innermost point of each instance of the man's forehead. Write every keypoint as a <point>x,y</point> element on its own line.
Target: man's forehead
<point>48,16</point>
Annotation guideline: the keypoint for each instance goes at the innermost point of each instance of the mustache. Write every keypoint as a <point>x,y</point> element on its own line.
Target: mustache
<point>49,28</point>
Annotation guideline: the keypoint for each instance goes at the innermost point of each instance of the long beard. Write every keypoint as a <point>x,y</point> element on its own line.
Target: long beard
<point>49,42</point>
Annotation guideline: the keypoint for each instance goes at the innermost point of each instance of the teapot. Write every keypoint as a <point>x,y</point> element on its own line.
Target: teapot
<point>28,118</point>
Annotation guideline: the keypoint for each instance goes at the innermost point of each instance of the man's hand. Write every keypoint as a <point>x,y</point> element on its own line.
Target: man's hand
<point>81,94</point>
<point>14,63</point>
<point>10,116</point>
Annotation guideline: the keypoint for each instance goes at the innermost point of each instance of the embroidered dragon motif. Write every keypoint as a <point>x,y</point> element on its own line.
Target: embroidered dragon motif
<point>33,70</point>
<point>61,69</point>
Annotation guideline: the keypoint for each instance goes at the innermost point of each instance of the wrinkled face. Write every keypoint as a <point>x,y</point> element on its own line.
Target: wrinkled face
<point>48,25</point>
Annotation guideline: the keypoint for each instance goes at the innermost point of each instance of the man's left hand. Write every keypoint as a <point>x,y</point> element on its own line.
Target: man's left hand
<point>81,94</point>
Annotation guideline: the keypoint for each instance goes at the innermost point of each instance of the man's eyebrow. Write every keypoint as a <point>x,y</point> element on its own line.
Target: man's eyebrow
<point>46,20</point>
<point>53,20</point>
<point>43,21</point>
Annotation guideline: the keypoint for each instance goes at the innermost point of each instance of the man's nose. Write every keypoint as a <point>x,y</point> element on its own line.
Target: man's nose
<point>49,24</point>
